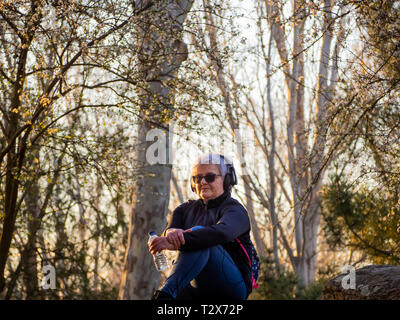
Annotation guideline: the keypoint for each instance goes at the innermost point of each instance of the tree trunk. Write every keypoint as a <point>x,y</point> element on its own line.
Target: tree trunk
<point>29,256</point>
<point>14,161</point>
<point>271,161</point>
<point>305,164</point>
<point>161,53</point>
<point>61,241</point>
<point>317,169</point>
<point>99,188</point>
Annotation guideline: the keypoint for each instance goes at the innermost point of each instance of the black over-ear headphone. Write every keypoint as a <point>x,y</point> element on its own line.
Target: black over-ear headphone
<point>230,177</point>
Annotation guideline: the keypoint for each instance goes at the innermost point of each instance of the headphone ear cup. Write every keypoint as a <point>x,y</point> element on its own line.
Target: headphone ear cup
<point>233,175</point>
<point>230,178</point>
<point>227,181</point>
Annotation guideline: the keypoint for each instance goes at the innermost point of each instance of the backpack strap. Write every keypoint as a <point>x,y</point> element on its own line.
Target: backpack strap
<point>253,281</point>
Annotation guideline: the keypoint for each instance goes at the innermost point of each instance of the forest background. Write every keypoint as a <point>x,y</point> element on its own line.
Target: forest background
<point>105,104</point>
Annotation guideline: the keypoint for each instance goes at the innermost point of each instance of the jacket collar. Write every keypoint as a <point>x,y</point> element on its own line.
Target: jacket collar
<point>217,201</point>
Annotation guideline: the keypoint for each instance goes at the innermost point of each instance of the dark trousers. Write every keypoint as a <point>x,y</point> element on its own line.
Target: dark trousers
<point>207,273</point>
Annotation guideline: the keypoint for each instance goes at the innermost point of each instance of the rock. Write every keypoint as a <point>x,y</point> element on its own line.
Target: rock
<point>374,282</point>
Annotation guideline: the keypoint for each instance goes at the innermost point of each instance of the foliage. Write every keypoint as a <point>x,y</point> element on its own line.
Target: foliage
<point>380,20</point>
<point>71,85</point>
<point>361,200</point>
<point>361,218</point>
<point>66,145</point>
<point>283,284</point>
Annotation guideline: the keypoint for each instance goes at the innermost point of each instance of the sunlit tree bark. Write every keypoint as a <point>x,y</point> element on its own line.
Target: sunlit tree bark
<point>306,164</point>
<point>161,52</point>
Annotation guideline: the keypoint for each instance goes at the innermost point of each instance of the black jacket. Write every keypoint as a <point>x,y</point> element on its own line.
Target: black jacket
<point>224,219</point>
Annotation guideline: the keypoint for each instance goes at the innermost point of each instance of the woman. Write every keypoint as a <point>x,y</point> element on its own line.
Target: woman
<point>211,234</point>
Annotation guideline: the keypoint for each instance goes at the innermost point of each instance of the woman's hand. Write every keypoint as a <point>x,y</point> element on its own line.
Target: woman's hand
<point>175,237</point>
<point>160,243</point>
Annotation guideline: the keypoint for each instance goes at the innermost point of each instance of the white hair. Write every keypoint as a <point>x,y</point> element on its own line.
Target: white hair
<point>214,158</point>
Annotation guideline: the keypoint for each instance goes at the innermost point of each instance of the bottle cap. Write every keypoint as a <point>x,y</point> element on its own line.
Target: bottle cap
<point>152,233</point>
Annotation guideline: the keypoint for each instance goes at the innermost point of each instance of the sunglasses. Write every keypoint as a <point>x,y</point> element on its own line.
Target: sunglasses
<point>209,177</point>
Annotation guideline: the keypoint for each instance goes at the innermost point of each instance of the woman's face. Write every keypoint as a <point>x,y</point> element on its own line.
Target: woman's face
<point>208,190</point>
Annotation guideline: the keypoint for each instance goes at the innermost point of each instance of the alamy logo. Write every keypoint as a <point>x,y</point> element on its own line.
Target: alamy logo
<point>49,279</point>
<point>161,149</point>
<point>349,280</point>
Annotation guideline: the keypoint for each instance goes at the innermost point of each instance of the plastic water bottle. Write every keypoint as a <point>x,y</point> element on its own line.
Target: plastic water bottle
<point>160,260</point>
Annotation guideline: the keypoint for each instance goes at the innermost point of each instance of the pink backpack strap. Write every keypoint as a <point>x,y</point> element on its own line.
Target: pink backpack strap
<point>253,281</point>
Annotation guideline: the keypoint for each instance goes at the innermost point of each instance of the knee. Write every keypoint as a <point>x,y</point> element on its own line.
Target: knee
<point>204,252</point>
<point>217,249</point>
<point>194,254</point>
